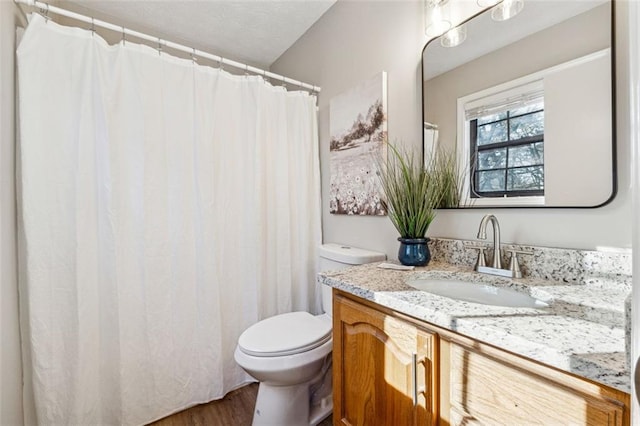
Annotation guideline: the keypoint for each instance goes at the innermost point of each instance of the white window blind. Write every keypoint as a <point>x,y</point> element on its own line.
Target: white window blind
<point>518,97</point>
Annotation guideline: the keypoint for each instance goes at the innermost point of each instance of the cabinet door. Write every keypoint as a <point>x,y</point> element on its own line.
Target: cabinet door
<point>383,368</point>
<point>487,391</point>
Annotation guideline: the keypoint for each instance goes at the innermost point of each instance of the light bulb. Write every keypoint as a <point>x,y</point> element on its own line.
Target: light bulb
<point>454,37</point>
<point>436,18</point>
<point>437,28</point>
<point>507,10</point>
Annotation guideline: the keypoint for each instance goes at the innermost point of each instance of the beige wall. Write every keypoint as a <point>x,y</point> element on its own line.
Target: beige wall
<point>355,40</point>
<point>575,176</point>
<point>10,364</point>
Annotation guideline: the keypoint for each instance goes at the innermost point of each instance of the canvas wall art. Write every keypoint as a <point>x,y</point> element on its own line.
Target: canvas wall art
<point>358,128</point>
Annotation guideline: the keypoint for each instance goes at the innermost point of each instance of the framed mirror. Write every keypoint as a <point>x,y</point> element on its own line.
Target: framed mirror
<point>527,104</point>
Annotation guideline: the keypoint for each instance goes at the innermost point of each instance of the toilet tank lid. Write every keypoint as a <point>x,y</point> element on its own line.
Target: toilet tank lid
<point>350,255</point>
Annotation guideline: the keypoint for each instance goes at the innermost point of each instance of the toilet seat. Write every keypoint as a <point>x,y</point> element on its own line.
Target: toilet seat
<point>285,334</point>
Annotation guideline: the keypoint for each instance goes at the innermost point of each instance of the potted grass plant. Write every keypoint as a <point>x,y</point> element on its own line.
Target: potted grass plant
<point>444,168</point>
<point>412,193</point>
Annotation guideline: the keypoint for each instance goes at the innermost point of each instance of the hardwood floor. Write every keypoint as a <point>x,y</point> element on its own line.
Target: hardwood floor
<point>235,409</point>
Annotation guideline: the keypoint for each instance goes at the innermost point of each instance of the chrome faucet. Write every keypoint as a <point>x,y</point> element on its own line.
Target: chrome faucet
<point>514,270</point>
<point>496,264</point>
<point>482,234</point>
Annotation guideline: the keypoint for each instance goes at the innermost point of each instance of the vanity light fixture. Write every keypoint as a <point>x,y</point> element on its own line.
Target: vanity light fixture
<point>436,22</point>
<point>507,10</point>
<point>454,36</point>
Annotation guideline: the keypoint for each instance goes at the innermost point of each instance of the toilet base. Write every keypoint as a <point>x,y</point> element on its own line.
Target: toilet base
<point>293,405</point>
<point>321,411</point>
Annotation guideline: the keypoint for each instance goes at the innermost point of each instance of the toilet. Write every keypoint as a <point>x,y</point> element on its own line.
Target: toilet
<point>290,354</point>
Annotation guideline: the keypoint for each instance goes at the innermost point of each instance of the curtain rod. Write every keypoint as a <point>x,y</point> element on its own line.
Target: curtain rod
<point>46,8</point>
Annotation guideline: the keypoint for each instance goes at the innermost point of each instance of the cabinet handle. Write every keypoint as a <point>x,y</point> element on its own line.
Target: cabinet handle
<point>414,374</point>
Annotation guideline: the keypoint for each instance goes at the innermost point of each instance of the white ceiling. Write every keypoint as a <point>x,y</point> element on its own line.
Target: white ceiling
<point>251,31</point>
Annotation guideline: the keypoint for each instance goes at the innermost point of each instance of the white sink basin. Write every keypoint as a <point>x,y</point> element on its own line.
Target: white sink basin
<point>477,293</point>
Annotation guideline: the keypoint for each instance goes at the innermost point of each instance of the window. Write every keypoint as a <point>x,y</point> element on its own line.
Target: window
<point>506,144</point>
<point>508,153</point>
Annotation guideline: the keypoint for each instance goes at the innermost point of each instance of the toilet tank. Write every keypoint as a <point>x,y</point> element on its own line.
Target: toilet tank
<point>339,256</point>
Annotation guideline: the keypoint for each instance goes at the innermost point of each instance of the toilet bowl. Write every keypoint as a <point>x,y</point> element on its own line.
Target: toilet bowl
<point>290,354</point>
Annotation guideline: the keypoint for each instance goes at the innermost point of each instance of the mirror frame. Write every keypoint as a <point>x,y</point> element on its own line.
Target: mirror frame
<point>614,151</point>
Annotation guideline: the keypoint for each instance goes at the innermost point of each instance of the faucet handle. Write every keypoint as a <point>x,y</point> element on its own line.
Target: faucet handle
<point>514,265</point>
<point>481,260</point>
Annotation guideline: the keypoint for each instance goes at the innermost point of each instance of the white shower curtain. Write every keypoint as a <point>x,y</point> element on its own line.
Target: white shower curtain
<point>165,207</point>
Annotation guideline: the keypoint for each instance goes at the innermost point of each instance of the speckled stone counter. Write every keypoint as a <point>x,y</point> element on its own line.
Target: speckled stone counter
<point>582,331</point>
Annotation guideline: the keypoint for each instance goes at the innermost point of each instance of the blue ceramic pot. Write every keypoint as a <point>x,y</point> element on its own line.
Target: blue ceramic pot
<point>414,251</point>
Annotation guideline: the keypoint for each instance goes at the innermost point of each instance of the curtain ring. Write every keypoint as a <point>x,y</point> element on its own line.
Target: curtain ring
<point>246,70</point>
<point>220,64</point>
<point>193,56</point>
<point>159,46</point>
<point>284,82</point>
<point>124,38</point>
<point>93,27</point>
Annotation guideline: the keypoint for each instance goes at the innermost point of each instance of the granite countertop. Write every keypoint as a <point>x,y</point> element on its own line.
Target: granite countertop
<point>582,331</point>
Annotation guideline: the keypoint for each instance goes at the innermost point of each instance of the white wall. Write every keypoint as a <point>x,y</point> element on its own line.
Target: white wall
<point>10,364</point>
<point>355,40</point>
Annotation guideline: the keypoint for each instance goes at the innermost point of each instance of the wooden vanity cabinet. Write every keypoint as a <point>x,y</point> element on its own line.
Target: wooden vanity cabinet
<point>459,381</point>
<point>482,385</point>
<point>383,368</point>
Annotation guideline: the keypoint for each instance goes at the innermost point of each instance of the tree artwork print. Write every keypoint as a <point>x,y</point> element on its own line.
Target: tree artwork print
<point>358,127</point>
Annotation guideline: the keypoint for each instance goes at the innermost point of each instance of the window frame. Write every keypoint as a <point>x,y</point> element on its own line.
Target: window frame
<point>475,150</point>
<point>494,95</point>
